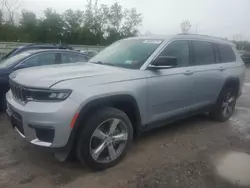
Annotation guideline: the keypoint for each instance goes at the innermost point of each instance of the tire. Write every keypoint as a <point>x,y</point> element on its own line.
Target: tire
<point>227,95</point>
<point>88,140</point>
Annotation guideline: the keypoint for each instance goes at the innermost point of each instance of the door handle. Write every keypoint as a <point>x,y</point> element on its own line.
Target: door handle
<point>188,72</point>
<point>221,69</point>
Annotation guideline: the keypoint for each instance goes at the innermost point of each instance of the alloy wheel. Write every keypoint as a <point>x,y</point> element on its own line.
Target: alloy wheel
<point>108,140</point>
<point>228,105</point>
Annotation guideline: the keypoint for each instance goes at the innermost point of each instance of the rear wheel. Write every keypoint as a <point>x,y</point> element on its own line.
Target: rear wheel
<point>104,139</point>
<point>225,105</point>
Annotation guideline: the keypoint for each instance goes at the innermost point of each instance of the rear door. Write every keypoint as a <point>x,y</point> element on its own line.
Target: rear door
<point>231,63</point>
<point>207,74</point>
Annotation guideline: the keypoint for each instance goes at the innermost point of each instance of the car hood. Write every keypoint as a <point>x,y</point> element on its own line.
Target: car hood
<point>47,76</point>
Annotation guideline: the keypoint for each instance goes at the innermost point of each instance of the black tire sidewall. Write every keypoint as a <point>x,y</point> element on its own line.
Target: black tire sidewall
<point>83,140</point>
<point>217,112</point>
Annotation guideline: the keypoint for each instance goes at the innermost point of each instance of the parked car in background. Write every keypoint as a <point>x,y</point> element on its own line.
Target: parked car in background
<point>246,58</point>
<point>134,85</point>
<point>21,49</point>
<point>34,58</point>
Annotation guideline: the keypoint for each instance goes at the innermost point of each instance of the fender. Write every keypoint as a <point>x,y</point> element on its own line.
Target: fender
<point>63,153</point>
<point>110,100</point>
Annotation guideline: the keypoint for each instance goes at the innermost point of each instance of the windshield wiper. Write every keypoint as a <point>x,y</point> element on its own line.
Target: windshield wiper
<point>98,62</point>
<point>102,63</point>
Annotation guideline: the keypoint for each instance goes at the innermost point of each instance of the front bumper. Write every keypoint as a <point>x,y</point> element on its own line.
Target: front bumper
<point>44,124</point>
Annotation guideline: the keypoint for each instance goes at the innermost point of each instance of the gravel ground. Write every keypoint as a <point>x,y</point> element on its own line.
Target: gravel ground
<point>195,152</point>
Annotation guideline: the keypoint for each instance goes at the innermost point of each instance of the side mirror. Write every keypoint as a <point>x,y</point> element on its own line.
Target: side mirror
<point>164,62</point>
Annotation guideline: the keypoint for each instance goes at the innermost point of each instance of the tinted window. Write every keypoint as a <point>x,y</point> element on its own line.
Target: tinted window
<point>41,59</point>
<point>179,50</point>
<point>226,53</point>
<point>72,58</point>
<point>203,53</point>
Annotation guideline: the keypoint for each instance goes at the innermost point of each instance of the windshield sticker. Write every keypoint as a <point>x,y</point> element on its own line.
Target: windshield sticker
<point>152,41</point>
<point>128,62</point>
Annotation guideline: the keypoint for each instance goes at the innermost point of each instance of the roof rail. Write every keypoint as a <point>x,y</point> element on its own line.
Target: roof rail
<point>54,44</point>
<point>49,44</point>
<point>33,44</point>
<point>202,35</point>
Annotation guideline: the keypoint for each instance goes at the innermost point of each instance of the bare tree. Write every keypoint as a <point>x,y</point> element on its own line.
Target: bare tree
<point>185,26</point>
<point>238,38</point>
<point>148,33</point>
<point>1,12</point>
<point>9,8</point>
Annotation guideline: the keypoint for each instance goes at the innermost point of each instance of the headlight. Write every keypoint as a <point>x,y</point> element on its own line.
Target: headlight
<point>48,95</point>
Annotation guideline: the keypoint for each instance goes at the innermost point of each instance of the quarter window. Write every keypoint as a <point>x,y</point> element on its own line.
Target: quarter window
<point>203,53</point>
<point>179,50</point>
<point>72,58</point>
<point>226,53</point>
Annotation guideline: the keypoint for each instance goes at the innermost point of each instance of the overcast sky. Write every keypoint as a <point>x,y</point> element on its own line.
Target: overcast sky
<point>222,18</point>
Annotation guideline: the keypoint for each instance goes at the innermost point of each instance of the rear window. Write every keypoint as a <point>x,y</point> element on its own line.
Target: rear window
<point>226,53</point>
<point>203,53</point>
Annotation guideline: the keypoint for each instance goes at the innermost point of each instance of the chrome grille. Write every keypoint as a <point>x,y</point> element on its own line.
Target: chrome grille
<point>19,92</point>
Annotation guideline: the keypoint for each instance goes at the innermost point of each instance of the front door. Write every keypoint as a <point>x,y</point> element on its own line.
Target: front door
<point>170,90</point>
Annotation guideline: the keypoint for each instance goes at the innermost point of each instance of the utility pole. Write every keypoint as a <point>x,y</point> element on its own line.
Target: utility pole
<point>196,28</point>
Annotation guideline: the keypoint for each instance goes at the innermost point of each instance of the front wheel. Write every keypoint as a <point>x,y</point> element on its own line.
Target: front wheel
<point>225,105</point>
<point>104,139</point>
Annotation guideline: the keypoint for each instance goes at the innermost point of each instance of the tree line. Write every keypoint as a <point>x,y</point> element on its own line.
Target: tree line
<point>94,25</point>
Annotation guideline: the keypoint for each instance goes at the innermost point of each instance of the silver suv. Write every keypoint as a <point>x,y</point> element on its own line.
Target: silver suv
<point>97,108</point>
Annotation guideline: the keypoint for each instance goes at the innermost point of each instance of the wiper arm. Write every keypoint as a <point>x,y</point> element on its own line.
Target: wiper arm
<point>98,62</point>
<point>102,63</point>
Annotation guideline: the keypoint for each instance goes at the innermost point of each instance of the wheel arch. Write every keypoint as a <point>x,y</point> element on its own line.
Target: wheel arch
<point>117,101</point>
<point>233,81</point>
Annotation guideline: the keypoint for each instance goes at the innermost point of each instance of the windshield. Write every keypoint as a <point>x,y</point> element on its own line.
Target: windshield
<point>12,60</point>
<point>127,53</point>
